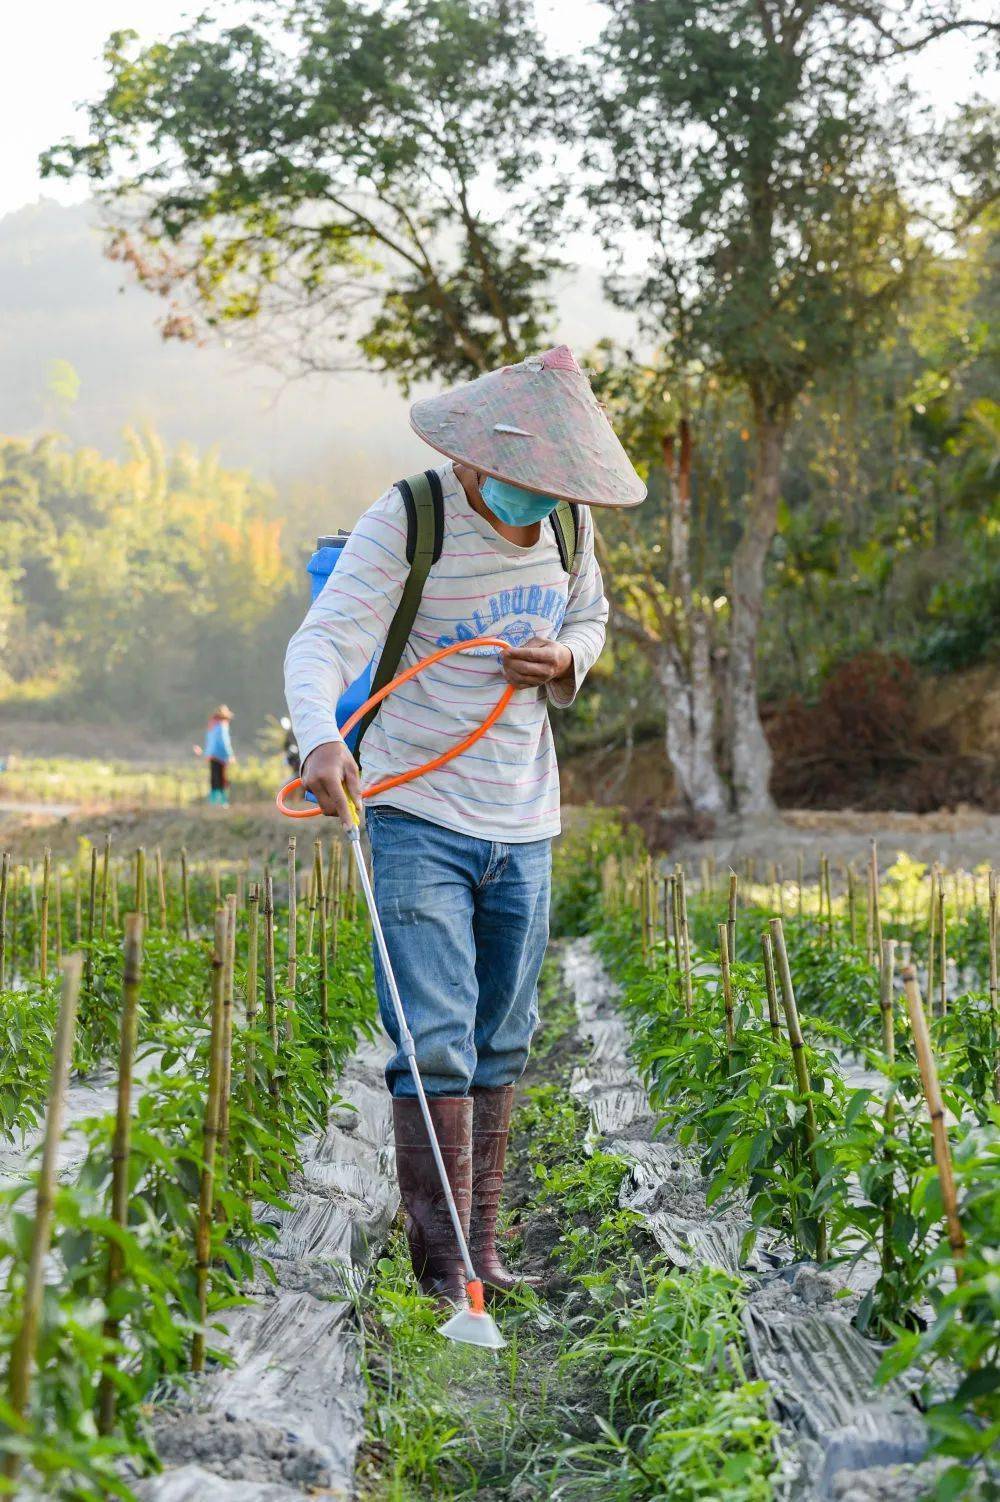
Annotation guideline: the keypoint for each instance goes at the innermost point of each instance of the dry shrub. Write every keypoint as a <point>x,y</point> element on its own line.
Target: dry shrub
<point>861,746</point>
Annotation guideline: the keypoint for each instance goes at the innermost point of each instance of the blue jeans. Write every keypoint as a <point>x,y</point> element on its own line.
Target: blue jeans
<point>466,923</point>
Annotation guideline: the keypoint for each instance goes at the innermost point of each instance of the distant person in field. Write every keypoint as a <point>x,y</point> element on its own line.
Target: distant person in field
<point>462,856</point>
<point>218,752</point>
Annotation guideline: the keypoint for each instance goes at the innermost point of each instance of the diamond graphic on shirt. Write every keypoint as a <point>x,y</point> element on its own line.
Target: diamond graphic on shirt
<point>517,633</point>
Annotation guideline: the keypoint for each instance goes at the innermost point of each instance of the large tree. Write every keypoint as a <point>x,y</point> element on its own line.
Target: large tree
<point>367,175</point>
<point>768,165</point>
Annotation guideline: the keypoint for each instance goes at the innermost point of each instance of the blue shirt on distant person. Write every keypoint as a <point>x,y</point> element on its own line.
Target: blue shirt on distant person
<point>218,744</point>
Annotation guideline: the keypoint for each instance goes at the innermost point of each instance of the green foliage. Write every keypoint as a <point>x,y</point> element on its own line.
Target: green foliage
<point>138,588</point>
<point>577,862</point>
<point>965,620</point>
<point>776,176</point>
<point>352,173</point>
<point>869,1170</point>
<point>280,1094</point>
<point>683,1419</point>
<point>964,1330</point>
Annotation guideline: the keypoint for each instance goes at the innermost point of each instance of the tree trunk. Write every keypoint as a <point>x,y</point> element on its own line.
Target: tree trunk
<point>690,736</point>
<point>684,667</point>
<point>751,754</point>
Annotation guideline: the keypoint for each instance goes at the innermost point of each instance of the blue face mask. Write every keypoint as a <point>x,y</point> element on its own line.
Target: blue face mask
<point>518,508</point>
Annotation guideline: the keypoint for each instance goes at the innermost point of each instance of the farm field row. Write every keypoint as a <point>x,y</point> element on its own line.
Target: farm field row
<point>204,1021</point>
<point>784,1069</point>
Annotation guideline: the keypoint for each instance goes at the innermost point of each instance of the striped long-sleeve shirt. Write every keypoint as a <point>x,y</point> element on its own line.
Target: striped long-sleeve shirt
<point>506,786</point>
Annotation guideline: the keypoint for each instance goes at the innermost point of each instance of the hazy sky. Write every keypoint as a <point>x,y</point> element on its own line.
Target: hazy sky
<point>51,60</point>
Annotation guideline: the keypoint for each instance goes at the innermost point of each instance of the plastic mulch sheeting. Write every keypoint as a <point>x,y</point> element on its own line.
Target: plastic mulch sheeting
<point>286,1418</point>
<point>666,1187</point>
<point>839,1429</point>
<point>821,1373</point>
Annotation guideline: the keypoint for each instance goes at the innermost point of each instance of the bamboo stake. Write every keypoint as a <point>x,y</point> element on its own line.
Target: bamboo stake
<point>331,884</point>
<point>22,1356</point>
<point>852,904</point>
<point>253,944</point>
<point>650,881</point>
<point>15,895</point>
<point>797,1043</point>
<point>324,978</point>
<point>680,882</point>
<point>932,931</point>
<point>943,982</point>
<point>311,906</point>
<point>59,917</point>
<point>670,922</point>
<point>935,1110</point>
<point>876,912</point>
<point>292,928</point>
<point>121,1145</point>
<point>727,988</point>
<point>33,902</point>
<point>886,977</point>
<point>185,894</point>
<point>43,953</point>
<point>78,899</point>
<point>994,1010</point>
<point>114,894</point>
<point>869,918</point>
<point>334,870</point>
<point>4,882</point>
<point>731,923</point>
<point>141,900</point>
<point>89,969</point>
<point>210,1132</point>
<point>767,949</point>
<point>105,872</point>
<point>799,872</point>
<point>161,888</point>
<point>217,876</point>
<point>270,994</point>
<point>227,1029</point>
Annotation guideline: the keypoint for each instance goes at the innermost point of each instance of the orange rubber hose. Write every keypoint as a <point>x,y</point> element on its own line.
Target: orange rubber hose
<point>428,766</point>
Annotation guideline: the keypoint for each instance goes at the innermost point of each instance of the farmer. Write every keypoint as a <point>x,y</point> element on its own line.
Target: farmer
<point>461,856</point>
<point>218,751</point>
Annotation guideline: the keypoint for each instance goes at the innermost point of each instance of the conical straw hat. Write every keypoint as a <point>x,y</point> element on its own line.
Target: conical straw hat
<point>537,425</point>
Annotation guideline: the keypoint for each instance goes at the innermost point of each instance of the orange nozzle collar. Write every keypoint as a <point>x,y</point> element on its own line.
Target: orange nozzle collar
<point>476,1296</point>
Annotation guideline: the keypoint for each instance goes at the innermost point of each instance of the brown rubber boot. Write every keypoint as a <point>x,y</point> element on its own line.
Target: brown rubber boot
<point>490,1127</point>
<point>437,1261</point>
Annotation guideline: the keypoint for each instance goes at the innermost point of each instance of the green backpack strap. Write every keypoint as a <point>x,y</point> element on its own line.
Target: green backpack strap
<point>565,521</point>
<point>424,501</point>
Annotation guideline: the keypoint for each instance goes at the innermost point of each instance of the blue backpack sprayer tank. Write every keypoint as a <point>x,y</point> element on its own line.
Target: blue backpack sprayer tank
<point>320,566</point>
